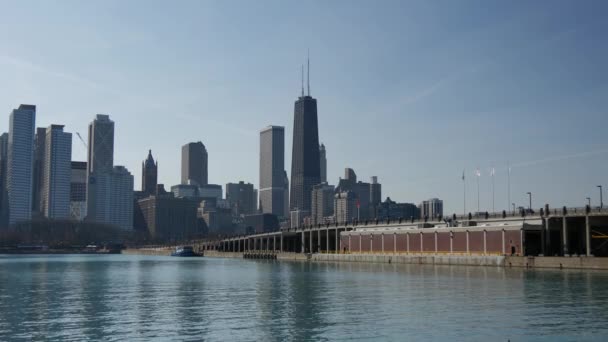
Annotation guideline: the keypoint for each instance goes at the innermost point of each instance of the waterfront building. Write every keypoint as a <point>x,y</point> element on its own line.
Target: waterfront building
<point>322,202</point>
<point>78,190</point>
<point>38,171</point>
<point>305,168</point>
<point>345,207</point>
<point>3,194</point>
<point>272,171</point>
<point>432,208</point>
<point>167,218</point>
<point>323,163</point>
<point>149,175</point>
<point>100,164</point>
<point>20,163</point>
<point>57,173</point>
<point>393,211</point>
<point>194,164</point>
<point>242,198</point>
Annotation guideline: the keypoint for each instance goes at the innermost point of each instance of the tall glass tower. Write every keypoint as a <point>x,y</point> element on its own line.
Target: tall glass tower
<point>20,163</point>
<point>305,168</point>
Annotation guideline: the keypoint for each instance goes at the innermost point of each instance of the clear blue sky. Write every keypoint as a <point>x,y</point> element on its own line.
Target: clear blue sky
<point>413,92</point>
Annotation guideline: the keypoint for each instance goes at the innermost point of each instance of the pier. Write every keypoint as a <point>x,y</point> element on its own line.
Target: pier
<point>519,240</point>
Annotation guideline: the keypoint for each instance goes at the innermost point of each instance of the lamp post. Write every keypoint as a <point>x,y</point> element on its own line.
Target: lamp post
<point>513,207</point>
<point>530,197</point>
<point>589,201</point>
<point>601,198</point>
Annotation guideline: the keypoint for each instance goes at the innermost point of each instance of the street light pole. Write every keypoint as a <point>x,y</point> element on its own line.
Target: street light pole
<point>601,198</point>
<point>530,196</point>
<point>589,201</point>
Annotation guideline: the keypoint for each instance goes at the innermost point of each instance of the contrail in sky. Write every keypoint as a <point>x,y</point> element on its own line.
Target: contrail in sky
<point>559,158</point>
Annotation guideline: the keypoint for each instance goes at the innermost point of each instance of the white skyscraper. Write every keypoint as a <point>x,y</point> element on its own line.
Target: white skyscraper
<point>55,197</point>
<point>20,161</point>
<point>272,170</point>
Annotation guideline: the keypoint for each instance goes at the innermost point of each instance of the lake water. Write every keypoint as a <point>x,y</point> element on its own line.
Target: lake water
<point>143,298</point>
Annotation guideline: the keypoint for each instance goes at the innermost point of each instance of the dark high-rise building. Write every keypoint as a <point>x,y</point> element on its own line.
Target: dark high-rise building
<point>272,170</point>
<point>3,194</point>
<point>391,210</point>
<point>323,163</point>
<point>100,163</point>
<point>242,198</point>
<point>38,177</point>
<point>194,164</point>
<point>149,175</point>
<point>305,168</point>
<point>20,162</point>
<point>167,218</point>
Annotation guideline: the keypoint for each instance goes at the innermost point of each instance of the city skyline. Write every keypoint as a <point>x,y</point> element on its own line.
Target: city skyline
<point>496,102</point>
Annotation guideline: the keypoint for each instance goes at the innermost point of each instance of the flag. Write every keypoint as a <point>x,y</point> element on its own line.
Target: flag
<point>492,172</point>
<point>463,175</point>
<point>477,173</point>
<point>358,203</point>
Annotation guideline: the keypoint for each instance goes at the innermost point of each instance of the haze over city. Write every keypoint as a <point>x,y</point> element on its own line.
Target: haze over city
<point>411,92</point>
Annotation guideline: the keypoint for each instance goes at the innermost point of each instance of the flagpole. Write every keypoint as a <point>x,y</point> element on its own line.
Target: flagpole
<point>508,186</point>
<point>464,194</point>
<point>478,208</point>
<point>493,208</point>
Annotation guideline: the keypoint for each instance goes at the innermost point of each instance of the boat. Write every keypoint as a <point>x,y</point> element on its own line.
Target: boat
<point>185,251</point>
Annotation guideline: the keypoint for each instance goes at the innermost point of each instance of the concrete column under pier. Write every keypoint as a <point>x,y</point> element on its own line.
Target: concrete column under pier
<point>303,248</point>
<point>587,236</point>
<point>565,235</point>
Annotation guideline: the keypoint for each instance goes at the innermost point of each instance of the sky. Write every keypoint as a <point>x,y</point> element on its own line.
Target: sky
<point>414,92</point>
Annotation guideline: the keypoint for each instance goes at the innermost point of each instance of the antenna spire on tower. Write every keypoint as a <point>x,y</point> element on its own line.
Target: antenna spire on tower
<point>308,73</point>
<point>302,80</point>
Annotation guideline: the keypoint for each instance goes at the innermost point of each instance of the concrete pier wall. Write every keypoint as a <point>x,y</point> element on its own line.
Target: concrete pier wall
<point>148,251</point>
<point>414,259</point>
<point>578,262</point>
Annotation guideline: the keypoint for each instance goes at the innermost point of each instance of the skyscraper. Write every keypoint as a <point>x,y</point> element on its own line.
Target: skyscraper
<point>323,163</point>
<point>149,175</point>
<point>20,163</point>
<point>194,164</point>
<point>100,162</point>
<point>272,170</point>
<point>55,195</point>
<point>241,197</point>
<point>38,172</point>
<point>101,145</point>
<point>3,194</point>
<point>322,202</point>
<point>305,168</point>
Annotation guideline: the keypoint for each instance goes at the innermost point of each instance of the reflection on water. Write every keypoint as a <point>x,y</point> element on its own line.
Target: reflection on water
<point>162,298</point>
